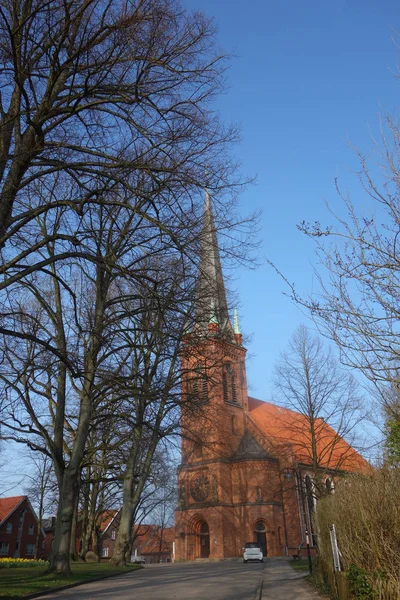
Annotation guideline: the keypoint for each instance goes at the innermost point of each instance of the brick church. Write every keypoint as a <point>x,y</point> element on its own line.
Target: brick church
<point>245,471</point>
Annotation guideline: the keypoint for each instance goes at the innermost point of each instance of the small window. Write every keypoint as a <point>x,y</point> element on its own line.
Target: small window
<point>113,534</point>
<point>3,548</point>
<point>104,552</point>
<point>225,385</point>
<point>31,529</point>
<point>328,485</point>
<point>30,549</point>
<point>233,420</point>
<point>229,383</point>
<point>258,494</point>
<point>9,528</point>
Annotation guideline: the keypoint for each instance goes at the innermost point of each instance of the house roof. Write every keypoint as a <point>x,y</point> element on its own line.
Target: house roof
<point>8,505</point>
<point>106,518</point>
<point>288,428</point>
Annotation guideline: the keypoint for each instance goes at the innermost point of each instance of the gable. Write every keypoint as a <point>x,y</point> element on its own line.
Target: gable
<point>250,448</point>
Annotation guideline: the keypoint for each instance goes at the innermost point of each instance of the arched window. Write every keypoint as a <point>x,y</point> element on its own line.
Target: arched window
<point>328,485</point>
<point>229,383</point>
<point>199,386</point>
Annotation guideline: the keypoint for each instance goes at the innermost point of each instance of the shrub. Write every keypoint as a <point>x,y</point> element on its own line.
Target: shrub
<point>360,588</point>
<point>365,509</point>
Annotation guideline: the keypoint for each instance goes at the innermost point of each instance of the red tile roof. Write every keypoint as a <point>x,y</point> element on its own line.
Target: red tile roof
<point>285,427</point>
<point>106,517</point>
<point>8,505</point>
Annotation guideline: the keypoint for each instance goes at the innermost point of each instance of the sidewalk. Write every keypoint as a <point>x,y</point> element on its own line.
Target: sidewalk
<point>281,582</point>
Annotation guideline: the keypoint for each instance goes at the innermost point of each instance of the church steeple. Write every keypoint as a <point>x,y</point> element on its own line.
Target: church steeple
<point>211,304</point>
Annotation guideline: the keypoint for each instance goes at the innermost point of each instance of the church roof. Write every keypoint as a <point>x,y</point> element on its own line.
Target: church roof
<point>211,304</point>
<point>285,427</point>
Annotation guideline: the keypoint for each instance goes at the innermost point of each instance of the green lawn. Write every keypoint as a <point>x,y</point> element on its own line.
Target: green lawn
<point>300,565</point>
<point>18,582</point>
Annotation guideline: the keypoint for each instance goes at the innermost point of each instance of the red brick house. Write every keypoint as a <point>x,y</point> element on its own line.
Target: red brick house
<point>245,471</point>
<point>153,543</point>
<point>18,528</point>
<point>108,531</point>
<point>107,524</point>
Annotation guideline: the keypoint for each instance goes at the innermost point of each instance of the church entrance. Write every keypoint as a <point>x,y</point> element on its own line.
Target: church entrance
<point>204,534</point>
<point>261,536</point>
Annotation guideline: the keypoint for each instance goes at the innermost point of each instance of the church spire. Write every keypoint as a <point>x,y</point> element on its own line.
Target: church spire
<point>236,326</point>
<point>211,296</point>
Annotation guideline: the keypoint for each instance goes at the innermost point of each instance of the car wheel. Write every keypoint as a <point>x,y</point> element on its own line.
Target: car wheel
<point>245,561</point>
<point>261,560</point>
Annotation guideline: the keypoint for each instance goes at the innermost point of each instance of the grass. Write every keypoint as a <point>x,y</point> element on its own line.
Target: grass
<point>17,582</point>
<point>323,588</point>
<point>300,565</point>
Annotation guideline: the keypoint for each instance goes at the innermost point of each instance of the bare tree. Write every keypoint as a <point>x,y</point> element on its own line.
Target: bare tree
<point>152,382</point>
<point>51,402</point>
<point>107,137</point>
<point>97,90</point>
<point>42,491</point>
<point>310,381</point>
<point>356,301</point>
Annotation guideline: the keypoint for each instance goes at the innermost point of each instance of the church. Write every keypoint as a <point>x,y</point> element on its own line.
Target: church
<point>245,472</point>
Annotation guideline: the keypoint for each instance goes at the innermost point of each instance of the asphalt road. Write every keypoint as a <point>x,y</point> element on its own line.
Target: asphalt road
<point>187,581</point>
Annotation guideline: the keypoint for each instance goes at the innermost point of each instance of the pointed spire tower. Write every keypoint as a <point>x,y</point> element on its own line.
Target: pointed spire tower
<point>211,304</point>
<point>213,417</point>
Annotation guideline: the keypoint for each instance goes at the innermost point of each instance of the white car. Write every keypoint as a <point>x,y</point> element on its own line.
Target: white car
<point>252,551</point>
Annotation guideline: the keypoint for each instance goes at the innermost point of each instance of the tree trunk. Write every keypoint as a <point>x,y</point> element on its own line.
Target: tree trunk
<point>127,513</point>
<point>84,521</point>
<point>40,516</point>
<point>72,551</point>
<point>59,558</point>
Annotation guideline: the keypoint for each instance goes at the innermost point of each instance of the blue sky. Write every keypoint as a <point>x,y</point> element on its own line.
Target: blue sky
<point>308,81</point>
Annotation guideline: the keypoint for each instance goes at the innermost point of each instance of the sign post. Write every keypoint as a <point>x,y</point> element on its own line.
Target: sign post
<point>335,548</point>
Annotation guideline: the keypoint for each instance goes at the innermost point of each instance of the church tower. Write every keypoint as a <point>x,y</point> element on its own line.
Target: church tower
<point>212,493</point>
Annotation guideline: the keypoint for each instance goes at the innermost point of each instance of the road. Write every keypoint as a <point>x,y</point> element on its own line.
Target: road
<point>185,581</point>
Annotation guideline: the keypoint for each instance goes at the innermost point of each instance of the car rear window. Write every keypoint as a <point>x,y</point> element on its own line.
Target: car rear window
<point>252,545</point>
